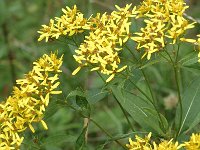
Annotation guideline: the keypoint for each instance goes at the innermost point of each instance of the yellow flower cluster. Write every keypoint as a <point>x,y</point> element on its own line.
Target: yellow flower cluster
<point>145,144</point>
<point>140,143</point>
<point>28,102</point>
<point>70,23</point>
<point>164,21</point>
<point>101,48</point>
<point>194,143</point>
<point>166,145</point>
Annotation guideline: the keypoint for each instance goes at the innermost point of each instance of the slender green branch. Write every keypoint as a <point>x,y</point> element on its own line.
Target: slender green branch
<point>150,89</point>
<point>154,102</point>
<point>100,127</point>
<point>175,68</point>
<point>124,112</point>
<point>108,134</point>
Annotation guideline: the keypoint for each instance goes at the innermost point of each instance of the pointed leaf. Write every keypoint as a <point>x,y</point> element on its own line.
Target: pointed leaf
<point>141,111</point>
<point>191,105</point>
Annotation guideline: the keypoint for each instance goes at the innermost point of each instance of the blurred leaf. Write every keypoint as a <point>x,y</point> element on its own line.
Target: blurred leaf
<point>194,68</point>
<point>76,92</point>
<point>149,63</point>
<point>190,104</point>
<point>57,139</point>
<point>51,109</point>
<point>141,111</point>
<point>82,102</point>
<point>3,11</point>
<point>189,59</point>
<point>95,95</point>
<point>81,141</point>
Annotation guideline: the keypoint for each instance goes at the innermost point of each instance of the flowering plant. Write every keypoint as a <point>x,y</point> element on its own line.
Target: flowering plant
<point>121,54</point>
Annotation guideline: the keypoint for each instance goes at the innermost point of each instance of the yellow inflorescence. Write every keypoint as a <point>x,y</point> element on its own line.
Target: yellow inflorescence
<point>140,143</point>
<point>167,145</point>
<point>29,100</point>
<point>164,21</point>
<point>148,144</point>
<point>70,23</point>
<point>108,33</point>
<point>101,48</point>
<point>193,143</point>
<point>145,144</point>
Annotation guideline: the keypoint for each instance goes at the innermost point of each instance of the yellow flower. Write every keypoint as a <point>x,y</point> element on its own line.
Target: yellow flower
<point>70,23</point>
<point>140,143</point>
<point>29,100</point>
<point>151,38</point>
<point>167,145</point>
<point>193,143</point>
<point>100,49</point>
<point>164,19</point>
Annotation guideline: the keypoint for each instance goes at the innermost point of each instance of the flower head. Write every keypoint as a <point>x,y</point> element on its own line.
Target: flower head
<point>140,143</point>
<point>70,23</point>
<point>164,20</point>
<point>193,143</point>
<point>100,49</point>
<point>167,145</point>
<point>29,100</point>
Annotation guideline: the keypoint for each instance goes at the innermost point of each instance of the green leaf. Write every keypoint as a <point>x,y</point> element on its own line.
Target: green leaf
<point>95,95</point>
<point>76,92</point>
<point>194,68</point>
<point>81,141</point>
<point>191,105</point>
<point>189,59</point>
<point>82,102</point>
<point>150,63</point>
<point>141,111</point>
<point>57,139</point>
<point>3,11</point>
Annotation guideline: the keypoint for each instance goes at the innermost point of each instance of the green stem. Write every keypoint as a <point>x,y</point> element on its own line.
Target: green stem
<point>124,112</point>
<point>175,68</point>
<point>154,103</point>
<point>108,134</point>
<point>100,127</point>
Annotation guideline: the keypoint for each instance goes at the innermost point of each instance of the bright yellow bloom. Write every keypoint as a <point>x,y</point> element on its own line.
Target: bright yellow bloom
<point>167,145</point>
<point>100,49</point>
<point>164,20</point>
<point>193,143</point>
<point>140,143</point>
<point>151,38</point>
<point>70,23</point>
<point>29,100</point>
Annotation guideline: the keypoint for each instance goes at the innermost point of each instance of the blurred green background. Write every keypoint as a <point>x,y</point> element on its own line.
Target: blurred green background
<point>19,22</point>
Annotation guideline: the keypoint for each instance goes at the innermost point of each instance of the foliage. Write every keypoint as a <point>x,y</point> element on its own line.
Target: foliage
<point>130,72</point>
